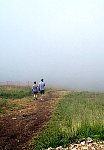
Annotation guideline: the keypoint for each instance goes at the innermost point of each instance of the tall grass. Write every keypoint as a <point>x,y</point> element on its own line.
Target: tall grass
<point>14,92</point>
<point>77,116</point>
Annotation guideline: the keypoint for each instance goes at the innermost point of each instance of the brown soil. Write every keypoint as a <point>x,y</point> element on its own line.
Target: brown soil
<point>18,126</point>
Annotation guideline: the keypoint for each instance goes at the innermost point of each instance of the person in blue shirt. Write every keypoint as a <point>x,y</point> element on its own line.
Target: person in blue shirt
<point>35,90</point>
<point>41,88</point>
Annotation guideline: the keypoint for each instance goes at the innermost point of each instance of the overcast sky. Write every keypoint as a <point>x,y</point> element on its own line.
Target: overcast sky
<point>61,41</point>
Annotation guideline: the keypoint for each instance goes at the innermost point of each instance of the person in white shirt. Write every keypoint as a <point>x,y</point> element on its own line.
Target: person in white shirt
<point>41,88</point>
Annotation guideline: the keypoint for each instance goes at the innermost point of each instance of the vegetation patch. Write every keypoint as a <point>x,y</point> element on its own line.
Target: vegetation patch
<point>78,115</point>
<point>14,92</point>
<point>5,105</point>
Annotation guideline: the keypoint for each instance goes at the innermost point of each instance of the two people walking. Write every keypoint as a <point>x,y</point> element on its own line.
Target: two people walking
<point>39,87</point>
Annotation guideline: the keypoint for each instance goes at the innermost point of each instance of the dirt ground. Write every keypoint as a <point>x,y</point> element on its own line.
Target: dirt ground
<point>18,126</point>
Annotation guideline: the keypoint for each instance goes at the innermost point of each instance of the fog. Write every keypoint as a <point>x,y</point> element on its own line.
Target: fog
<point>61,41</point>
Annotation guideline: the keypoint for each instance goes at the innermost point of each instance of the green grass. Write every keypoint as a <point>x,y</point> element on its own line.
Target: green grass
<point>78,115</point>
<point>14,92</point>
<point>5,104</point>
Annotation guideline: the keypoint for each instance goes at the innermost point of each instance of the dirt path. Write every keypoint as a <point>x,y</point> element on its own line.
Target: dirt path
<point>17,127</point>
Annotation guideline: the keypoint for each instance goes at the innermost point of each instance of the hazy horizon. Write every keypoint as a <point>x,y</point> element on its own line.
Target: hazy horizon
<point>61,41</point>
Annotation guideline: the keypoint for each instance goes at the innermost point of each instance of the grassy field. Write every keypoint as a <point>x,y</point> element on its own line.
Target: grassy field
<point>78,115</point>
<point>12,92</point>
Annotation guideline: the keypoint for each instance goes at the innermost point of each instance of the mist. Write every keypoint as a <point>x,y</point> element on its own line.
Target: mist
<point>61,41</point>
